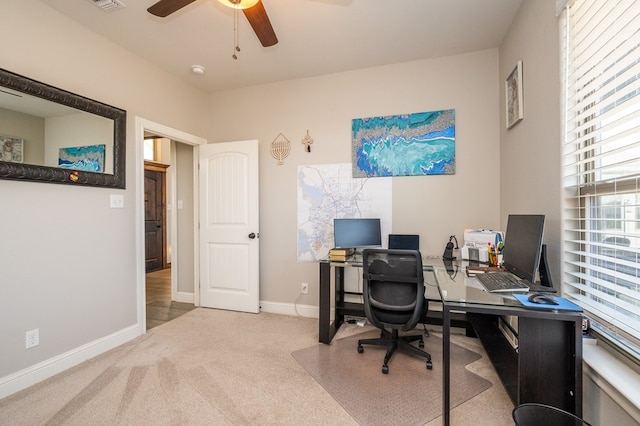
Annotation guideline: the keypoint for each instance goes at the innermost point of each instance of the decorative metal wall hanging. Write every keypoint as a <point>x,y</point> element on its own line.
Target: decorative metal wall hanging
<point>307,141</point>
<point>280,148</point>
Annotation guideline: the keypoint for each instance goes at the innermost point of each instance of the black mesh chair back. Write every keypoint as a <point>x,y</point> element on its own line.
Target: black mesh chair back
<point>530,414</point>
<point>394,287</point>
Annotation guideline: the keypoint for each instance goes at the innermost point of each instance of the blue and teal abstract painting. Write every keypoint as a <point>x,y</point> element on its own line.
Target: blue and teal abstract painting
<point>422,143</point>
<point>88,158</point>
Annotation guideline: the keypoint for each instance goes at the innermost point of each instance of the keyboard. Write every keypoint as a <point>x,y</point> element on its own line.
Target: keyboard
<point>495,282</point>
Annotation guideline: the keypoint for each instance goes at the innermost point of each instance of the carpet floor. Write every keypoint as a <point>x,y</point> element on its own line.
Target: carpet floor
<point>224,368</point>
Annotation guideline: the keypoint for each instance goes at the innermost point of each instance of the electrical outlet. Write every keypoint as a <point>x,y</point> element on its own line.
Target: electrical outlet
<point>304,288</point>
<point>32,338</point>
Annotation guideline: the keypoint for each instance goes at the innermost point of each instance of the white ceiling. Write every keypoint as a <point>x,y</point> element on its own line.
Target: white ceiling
<point>315,36</point>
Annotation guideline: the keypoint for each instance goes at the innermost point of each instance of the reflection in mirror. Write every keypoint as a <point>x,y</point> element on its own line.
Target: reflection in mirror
<point>50,135</point>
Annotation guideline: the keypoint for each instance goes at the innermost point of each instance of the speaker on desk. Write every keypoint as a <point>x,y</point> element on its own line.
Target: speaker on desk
<point>448,250</point>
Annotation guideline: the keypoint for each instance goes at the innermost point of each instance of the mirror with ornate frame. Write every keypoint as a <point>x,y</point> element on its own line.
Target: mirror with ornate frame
<point>50,135</point>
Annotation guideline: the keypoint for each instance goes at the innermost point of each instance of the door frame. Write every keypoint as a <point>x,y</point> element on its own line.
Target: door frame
<point>143,125</point>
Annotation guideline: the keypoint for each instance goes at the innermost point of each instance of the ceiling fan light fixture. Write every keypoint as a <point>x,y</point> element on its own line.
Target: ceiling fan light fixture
<point>239,4</point>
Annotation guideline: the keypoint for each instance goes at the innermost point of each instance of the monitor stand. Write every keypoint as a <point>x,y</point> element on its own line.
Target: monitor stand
<point>545,286</point>
<point>543,268</point>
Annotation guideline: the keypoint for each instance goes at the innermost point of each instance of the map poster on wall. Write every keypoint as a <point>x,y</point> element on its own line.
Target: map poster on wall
<point>328,191</point>
<point>416,144</point>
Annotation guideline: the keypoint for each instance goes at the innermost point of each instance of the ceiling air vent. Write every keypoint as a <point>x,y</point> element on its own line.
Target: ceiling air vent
<point>108,5</point>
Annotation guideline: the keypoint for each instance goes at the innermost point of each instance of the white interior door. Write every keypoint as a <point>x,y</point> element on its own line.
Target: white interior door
<point>229,247</point>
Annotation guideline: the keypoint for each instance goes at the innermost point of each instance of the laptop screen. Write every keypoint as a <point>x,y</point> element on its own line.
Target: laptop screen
<point>404,241</point>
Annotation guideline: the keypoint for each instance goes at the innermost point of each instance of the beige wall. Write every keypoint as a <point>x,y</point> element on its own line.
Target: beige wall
<point>27,127</point>
<point>530,151</point>
<point>68,261</point>
<point>433,206</point>
<point>185,220</point>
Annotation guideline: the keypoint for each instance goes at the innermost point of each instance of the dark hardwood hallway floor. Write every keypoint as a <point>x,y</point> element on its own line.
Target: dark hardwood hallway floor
<point>160,308</point>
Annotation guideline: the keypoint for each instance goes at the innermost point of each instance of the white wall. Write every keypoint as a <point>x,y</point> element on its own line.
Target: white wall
<point>68,261</point>
<point>433,206</point>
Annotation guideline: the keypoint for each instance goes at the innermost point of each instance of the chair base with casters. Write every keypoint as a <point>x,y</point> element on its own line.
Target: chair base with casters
<point>541,414</point>
<point>394,341</point>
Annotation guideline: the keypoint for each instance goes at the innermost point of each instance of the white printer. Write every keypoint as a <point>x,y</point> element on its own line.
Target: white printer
<point>477,242</point>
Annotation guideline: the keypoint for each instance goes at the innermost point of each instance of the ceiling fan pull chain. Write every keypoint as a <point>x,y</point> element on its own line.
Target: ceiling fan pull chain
<point>236,34</point>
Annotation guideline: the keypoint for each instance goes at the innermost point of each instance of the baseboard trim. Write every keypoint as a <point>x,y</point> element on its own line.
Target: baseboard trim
<point>38,372</point>
<point>184,297</point>
<point>294,309</point>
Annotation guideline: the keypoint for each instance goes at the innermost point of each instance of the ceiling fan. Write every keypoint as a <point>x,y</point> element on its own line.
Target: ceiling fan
<point>253,9</point>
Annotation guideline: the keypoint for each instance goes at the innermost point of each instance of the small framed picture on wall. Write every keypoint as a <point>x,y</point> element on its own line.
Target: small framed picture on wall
<point>514,100</point>
<point>11,149</point>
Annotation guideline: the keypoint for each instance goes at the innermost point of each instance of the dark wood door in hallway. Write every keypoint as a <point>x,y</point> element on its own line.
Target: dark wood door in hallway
<point>155,217</point>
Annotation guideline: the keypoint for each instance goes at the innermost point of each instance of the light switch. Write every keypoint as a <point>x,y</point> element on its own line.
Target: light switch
<point>180,205</point>
<point>117,201</point>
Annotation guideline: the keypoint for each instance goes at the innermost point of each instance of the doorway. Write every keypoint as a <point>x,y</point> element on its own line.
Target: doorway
<point>171,290</point>
<point>155,216</point>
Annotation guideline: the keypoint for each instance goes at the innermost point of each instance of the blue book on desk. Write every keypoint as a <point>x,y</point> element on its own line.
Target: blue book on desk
<point>563,304</point>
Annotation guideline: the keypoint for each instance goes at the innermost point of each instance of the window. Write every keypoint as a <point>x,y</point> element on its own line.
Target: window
<point>151,147</point>
<point>601,166</point>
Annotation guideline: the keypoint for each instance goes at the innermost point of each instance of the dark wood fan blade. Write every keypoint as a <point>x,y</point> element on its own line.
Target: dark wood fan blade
<point>257,17</point>
<point>165,8</point>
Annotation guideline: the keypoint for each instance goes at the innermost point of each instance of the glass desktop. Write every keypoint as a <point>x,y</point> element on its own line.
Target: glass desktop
<point>456,287</point>
<point>447,281</point>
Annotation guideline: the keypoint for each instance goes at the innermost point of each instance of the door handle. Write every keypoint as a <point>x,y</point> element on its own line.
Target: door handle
<point>253,235</point>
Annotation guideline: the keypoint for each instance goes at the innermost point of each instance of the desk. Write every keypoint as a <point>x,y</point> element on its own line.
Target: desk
<point>327,327</point>
<point>549,341</point>
<point>548,363</point>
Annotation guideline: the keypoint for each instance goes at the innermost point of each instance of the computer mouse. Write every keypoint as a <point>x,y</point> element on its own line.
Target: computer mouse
<point>542,299</point>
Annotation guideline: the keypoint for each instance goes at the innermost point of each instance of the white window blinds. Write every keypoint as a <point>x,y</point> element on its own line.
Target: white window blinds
<point>602,165</point>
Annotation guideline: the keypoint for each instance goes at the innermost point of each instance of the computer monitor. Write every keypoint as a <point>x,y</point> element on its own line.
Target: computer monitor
<point>522,244</point>
<point>357,233</point>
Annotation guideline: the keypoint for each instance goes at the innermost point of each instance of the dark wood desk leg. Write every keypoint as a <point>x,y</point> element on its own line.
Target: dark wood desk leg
<point>446,368</point>
<point>324,316</point>
<point>339,283</point>
<point>555,347</point>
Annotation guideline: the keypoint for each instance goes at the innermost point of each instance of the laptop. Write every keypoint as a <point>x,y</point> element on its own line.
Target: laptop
<point>404,242</point>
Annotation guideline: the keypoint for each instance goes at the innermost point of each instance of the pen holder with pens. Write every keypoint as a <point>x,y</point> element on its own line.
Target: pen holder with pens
<point>495,255</point>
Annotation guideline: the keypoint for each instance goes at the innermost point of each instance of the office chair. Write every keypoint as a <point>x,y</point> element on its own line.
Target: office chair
<point>530,414</point>
<point>394,300</point>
